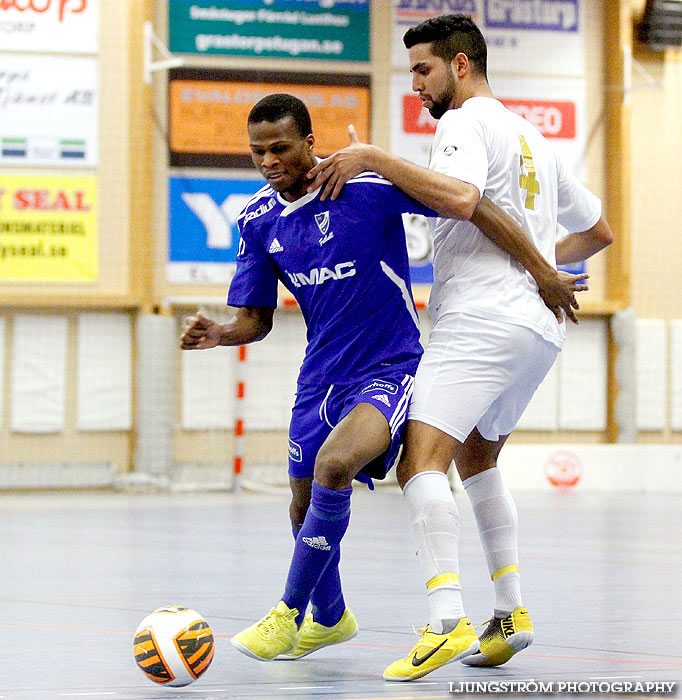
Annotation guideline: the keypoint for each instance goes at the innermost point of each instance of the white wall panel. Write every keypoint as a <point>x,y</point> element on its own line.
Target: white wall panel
<point>272,370</point>
<point>651,373</point>
<point>676,375</point>
<point>104,371</point>
<point>38,375</point>
<point>582,377</point>
<point>208,388</point>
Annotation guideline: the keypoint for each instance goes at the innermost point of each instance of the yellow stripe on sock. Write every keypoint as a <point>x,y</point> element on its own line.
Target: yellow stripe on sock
<point>505,570</point>
<point>441,580</point>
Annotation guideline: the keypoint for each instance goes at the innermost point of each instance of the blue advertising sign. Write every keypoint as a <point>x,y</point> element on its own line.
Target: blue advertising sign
<point>202,229</point>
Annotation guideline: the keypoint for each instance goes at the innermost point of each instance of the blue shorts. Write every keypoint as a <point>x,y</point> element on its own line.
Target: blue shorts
<point>319,408</point>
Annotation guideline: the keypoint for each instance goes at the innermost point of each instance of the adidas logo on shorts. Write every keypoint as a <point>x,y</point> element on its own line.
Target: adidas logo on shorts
<point>318,543</point>
<point>383,398</point>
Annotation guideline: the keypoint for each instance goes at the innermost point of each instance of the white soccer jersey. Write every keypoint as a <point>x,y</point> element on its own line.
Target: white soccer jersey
<point>506,158</point>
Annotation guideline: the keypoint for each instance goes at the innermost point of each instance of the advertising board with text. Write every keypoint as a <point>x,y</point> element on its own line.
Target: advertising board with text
<point>208,110</point>
<point>539,37</point>
<point>319,29</point>
<point>48,228</point>
<point>57,26</point>
<point>202,227</point>
<point>48,111</point>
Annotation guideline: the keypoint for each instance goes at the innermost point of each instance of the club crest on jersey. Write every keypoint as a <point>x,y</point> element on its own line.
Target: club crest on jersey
<point>379,385</point>
<point>322,221</point>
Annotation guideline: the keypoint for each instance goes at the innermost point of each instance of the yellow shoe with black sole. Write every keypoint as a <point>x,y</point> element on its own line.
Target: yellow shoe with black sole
<point>277,633</point>
<point>502,639</point>
<point>315,636</point>
<point>433,651</point>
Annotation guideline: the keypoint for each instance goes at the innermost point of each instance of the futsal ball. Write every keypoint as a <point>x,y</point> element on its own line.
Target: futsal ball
<point>173,646</point>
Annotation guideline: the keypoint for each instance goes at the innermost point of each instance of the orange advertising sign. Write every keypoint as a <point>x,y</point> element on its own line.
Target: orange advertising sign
<point>207,118</point>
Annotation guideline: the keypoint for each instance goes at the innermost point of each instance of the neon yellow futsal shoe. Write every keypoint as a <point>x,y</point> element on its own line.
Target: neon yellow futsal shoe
<point>502,639</point>
<point>277,633</point>
<point>433,651</point>
<point>314,636</point>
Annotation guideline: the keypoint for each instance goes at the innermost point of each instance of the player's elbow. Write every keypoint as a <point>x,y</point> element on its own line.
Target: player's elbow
<point>601,234</point>
<point>462,203</point>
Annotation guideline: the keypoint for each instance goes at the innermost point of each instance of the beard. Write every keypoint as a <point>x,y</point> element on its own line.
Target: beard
<point>442,103</point>
<point>439,108</point>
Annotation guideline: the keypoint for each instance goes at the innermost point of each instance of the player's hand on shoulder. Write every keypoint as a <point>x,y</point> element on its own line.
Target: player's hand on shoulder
<point>199,333</point>
<point>334,172</point>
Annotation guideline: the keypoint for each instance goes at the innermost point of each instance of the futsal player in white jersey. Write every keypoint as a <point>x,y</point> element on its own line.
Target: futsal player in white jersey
<point>493,339</point>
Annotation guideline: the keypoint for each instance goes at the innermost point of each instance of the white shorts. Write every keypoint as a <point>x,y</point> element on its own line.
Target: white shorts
<point>478,373</point>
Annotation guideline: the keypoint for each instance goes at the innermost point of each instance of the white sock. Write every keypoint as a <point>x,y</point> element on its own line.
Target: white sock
<point>435,528</point>
<point>497,521</point>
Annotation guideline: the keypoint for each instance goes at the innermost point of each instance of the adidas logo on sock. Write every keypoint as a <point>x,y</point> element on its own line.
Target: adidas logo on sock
<point>383,398</point>
<point>317,543</point>
<point>275,246</point>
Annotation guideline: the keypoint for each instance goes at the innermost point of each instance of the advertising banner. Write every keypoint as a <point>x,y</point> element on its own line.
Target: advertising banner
<point>48,111</point>
<point>208,110</point>
<point>202,227</point>
<point>48,228</point>
<point>538,37</point>
<point>56,26</point>
<point>336,30</point>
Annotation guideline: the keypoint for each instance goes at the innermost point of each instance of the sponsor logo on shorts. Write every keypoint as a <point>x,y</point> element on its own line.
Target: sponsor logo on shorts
<point>379,385</point>
<point>295,451</point>
<point>318,543</point>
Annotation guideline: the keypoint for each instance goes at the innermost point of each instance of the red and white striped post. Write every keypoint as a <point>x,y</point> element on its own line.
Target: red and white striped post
<point>240,377</point>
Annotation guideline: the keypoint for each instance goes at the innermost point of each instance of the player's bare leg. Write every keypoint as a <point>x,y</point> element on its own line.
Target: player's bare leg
<point>510,628</point>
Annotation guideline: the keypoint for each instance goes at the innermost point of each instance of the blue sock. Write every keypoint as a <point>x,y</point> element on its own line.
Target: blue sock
<point>327,598</point>
<point>317,546</point>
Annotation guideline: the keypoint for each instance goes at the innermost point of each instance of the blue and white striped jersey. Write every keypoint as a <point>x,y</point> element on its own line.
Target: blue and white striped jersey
<point>345,262</point>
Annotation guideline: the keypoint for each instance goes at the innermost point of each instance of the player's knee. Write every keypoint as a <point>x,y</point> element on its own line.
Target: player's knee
<point>333,471</point>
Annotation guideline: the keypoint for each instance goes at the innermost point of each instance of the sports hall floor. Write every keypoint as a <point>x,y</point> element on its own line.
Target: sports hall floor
<point>602,578</point>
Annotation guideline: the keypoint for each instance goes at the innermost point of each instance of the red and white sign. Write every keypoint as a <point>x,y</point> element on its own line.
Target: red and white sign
<point>563,469</point>
<point>554,120</point>
<point>57,26</point>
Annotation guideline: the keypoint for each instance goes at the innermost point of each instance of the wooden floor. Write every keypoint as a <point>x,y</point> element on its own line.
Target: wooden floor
<point>602,578</point>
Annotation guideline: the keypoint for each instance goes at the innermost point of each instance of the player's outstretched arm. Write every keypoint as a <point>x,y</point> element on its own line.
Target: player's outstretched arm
<point>249,324</point>
<point>446,195</point>
<point>557,290</point>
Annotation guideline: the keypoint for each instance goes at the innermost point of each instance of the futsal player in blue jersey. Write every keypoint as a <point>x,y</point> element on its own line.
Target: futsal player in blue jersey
<point>345,261</point>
